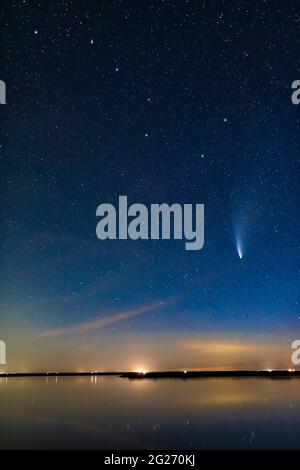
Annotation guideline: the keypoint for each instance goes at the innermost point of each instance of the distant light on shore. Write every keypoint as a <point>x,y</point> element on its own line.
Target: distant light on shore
<point>141,371</point>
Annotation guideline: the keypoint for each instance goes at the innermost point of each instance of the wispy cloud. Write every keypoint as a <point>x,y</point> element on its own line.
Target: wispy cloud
<point>108,320</point>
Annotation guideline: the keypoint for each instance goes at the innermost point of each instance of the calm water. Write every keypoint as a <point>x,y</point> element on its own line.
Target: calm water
<point>115,413</point>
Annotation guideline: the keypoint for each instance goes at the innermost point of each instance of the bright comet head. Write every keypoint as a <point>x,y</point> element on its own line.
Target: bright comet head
<point>239,250</point>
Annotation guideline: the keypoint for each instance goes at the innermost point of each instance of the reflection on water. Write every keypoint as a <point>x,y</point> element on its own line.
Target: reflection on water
<point>116,413</point>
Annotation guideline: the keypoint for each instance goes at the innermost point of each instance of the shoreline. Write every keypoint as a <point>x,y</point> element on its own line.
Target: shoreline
<point>164,375</point>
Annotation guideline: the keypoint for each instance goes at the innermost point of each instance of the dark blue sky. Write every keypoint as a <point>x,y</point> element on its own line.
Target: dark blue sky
<point>162,101</point>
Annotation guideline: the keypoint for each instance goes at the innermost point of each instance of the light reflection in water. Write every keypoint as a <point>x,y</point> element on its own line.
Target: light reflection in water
<point>116,413</point>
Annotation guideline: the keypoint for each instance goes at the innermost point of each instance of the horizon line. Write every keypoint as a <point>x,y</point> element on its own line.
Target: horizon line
<point>163,374</point>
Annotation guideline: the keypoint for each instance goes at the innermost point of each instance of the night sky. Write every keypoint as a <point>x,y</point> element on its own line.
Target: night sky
<point>162,101</point>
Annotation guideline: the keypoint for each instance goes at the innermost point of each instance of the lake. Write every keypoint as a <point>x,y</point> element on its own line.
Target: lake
<point>118,413</point>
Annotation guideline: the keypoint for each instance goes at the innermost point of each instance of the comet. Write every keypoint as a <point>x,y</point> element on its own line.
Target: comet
<point>239,250</point>
<point>239,244</point>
